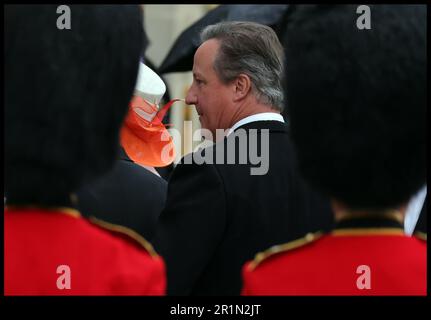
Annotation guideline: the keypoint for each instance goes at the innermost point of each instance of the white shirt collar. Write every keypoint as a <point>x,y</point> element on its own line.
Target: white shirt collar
<point>414,209</point>
<point>264,116</point>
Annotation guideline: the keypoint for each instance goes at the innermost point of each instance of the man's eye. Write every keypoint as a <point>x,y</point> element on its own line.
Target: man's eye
<point>198,81</point>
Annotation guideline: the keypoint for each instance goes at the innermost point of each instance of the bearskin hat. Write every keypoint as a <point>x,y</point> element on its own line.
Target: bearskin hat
<point>67,92</point>
<point>356,100</point>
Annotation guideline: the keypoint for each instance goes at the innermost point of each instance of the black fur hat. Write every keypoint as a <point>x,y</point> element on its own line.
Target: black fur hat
<point>356,101</point>
<point>66,94</point>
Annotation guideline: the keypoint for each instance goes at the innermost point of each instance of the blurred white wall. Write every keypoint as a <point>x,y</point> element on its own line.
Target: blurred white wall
<point>163,24</point>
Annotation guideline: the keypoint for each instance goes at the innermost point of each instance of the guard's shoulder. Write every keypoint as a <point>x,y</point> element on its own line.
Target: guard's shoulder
<point>277,249</point>
<point>125,232</point>
<point>420,235</point>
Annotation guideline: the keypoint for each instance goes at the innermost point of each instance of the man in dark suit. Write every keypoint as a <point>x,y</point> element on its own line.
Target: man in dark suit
<point>229,200</point>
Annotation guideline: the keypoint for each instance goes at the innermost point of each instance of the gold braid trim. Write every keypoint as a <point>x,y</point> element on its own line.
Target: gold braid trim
<point>420,235</point>
<point>128,232</point>
<point>368,231</point>
<point>261,256</point>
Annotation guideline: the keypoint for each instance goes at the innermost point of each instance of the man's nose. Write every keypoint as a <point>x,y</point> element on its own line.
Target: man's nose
<point>190,97</point>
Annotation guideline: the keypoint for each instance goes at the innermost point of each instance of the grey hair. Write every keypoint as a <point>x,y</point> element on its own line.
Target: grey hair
<point>253,49</point>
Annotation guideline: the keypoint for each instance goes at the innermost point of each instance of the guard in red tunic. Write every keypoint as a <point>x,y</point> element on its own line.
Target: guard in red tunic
<point>357,105</point>
<point>56,252</point>
<point>66,97</point>
<point>362,256</point>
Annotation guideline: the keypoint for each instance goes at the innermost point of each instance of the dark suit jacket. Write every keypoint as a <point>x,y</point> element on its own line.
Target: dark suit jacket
<point>421,225</point>
<point>218,216</point>
<point>129,195</point>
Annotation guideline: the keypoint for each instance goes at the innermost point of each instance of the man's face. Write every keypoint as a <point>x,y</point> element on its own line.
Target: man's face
<point>212,98</point>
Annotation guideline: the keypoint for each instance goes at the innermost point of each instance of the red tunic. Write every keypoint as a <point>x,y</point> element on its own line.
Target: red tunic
<point>47,251</point>
<point>360,261</point>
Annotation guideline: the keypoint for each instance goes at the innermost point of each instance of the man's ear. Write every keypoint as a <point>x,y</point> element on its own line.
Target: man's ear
<point>242,86</point>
